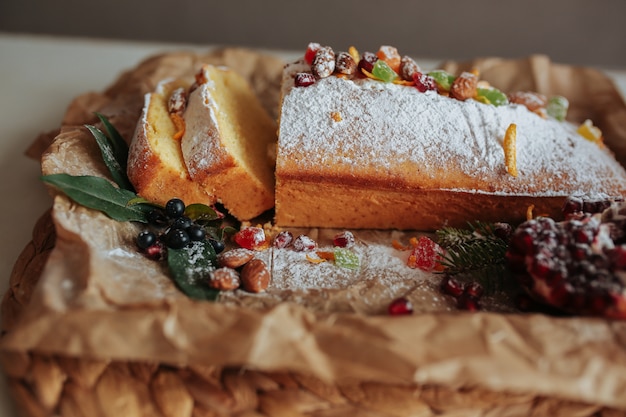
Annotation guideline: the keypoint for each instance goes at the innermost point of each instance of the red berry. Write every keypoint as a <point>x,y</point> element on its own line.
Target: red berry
<point>311,50</point>
<point>467,302</point>
<point>344,239</point>
<point>368,59</point>
<point>424,82</point>
<point>283,239</point>
<point>304,79</point>
<point>156,252</point>
<point>252,238</point>
<point>452,287</point>
<point>474,290</point>
<point>399,307</point>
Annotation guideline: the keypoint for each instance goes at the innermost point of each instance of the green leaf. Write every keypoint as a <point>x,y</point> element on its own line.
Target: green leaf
<point>110,160</point>
<point>345,258</point>
<point>201,212</point>
<point>99,194</point>
<point>120,148</point>
<point>190,268</point>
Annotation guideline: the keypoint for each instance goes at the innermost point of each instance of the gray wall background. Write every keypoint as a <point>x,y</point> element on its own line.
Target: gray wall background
<point>586,32</point>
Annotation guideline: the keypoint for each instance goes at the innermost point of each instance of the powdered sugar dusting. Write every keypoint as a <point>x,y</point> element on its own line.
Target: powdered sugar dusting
<point>428,140</point>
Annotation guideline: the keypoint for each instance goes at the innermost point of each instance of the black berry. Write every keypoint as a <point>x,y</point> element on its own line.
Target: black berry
<point>177,239</point>
<point>146,239</point>
<point>182,222</point>
<point>196,233</point>
<point>218,245</point>
<point>174,208</point>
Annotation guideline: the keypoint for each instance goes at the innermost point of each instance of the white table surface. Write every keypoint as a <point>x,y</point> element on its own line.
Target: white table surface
<point>39,76</point>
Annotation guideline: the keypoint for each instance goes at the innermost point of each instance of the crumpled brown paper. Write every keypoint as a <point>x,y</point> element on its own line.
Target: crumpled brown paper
<point>99,299</point>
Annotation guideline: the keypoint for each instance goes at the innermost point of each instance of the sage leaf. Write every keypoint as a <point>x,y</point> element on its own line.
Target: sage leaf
<point>110,160</point>
<point>119,145</point>
<point>190,268</point>
<point>99,194</point>
<point>201,212</point>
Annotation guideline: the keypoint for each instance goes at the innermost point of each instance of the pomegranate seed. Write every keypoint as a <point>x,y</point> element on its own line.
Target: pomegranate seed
<point>252,238</point>
<point>467,302</point>
<point>474,289</point>
<point>399,307</point>
<point>283,239</point>
<point>344,240</point>
<point>304,79</point>
<point>424,82</point>
<point>311,50</point>
<point>156,252</point>
<point>304,243</point>
<point>452,287</point>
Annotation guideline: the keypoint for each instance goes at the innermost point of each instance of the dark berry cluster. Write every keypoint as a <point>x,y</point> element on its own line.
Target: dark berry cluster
<point>171,228</point>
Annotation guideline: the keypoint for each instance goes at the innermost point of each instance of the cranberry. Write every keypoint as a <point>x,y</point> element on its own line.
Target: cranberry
<point>304,79</point>
<point>424,82</point>
<point>474,290</point>
<point>344,239</point>
<point>452,286</point>
<point>283,239</point>
<point>304,243</point>
<point>156,252</point>
<point>400,307</point>
<point>252,238</point>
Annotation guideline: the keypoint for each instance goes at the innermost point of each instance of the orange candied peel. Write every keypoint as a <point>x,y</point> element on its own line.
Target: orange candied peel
<point>590,132</point>
<point>336,116</point>
<point>529,212</point>
<point>179,124</point>
<point>510,151</point>
<point>354,53</point>
<point>399,246</point>
<point>390,55</point>
<point>322,256</point>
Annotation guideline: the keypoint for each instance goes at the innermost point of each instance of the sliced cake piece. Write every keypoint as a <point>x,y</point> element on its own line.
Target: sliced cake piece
<point>155,164</point>
<point>228,136</point>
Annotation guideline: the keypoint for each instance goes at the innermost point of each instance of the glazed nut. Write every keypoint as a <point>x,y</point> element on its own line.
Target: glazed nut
<point>224,279</point>
<point>255,277</point>
<point>532,101</point>
<point>234,258</point>
<point>323,64</point>
<point>408,67</point>
<point>464,86</point>
<point>345,64</point>
<point>177,101</point>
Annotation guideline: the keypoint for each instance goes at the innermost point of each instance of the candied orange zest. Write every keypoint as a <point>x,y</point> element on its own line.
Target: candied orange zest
<point>510,151</point>
<point>475,71</point>
<point>403,82</point>
<point>590,132</point>
<point>390,55</point>
<point>369,75</point>
<point>179,124</point>
<point>399,246</point>
<point>336,116</point>
<point>354,53</point>
<point>529,212</point>
<point>314,260</point>
<point>329,256</point>
<point>414,242</point>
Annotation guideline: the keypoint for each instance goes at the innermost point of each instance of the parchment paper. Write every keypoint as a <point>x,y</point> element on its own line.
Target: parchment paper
<point>97,298</point>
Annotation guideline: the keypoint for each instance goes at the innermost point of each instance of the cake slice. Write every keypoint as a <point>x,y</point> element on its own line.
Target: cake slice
<point>359,152</point>
<point>227,141</point>
<point>155,165</point>
<point>205,142</point>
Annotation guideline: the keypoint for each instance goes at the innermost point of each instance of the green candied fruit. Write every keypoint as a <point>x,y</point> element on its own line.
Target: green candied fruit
<point>345,258</point>
<point>383,71</point>
<point>443,79</point>
<point>491,96</point>
<point>557,107</point>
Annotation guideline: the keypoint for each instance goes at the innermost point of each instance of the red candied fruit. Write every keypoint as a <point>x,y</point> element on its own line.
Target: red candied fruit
<point>400,307</point>
<point>304,79</point>
<point>344,239</point>
<point>424,82</point>
<point>252,238</point>
<point>425,255</point>
<point>367,61</point>
<point>311,50</point>
<point>303,243</point>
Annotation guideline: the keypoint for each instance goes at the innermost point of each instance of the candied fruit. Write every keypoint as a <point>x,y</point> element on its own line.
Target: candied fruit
<point>425,255</point>
<point>252,238</point>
